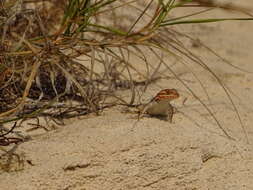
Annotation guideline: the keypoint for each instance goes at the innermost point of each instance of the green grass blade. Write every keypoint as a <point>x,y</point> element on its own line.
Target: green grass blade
<point>197,21</point>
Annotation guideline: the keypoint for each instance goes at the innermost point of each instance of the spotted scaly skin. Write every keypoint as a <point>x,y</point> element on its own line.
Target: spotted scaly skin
<point>160,105</point>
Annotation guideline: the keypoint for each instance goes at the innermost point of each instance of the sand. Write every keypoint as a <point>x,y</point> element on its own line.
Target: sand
<point>115,151</point>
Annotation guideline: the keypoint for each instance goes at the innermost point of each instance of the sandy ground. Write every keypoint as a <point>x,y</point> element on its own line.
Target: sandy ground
<point>114,151</point>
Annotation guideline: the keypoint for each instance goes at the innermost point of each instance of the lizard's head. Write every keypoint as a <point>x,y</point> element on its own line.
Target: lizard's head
<point>167,94</point>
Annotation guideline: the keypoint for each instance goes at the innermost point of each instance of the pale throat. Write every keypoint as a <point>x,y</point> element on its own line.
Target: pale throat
<point>160,108</point>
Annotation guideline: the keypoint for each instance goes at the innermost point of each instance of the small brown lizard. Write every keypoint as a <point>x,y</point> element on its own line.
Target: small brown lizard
<point>160,105</point>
